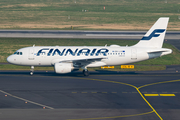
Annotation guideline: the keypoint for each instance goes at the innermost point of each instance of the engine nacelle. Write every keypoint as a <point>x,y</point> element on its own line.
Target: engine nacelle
<point>63,67</point>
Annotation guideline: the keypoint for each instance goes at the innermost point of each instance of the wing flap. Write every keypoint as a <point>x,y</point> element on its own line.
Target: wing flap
<point>83,60</point>
<point>79,61</point>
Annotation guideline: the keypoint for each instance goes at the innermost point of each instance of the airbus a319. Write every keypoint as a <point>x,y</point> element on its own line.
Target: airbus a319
<point>64,59</point>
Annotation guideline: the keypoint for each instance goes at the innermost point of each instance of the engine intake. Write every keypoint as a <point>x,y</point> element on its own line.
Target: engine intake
<point>63,67</point>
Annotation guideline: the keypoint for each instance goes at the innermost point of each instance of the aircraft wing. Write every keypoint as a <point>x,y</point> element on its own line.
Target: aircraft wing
<point>83,62</point>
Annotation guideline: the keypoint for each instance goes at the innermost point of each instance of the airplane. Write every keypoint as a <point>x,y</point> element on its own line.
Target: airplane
<point>65,59</point>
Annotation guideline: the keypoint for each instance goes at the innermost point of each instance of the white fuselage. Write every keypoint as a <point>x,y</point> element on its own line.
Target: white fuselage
<point>66,58</point>
<point>113,55</point>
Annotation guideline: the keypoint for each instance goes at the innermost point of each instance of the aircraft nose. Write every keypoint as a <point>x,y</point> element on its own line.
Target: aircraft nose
<point>10,59</point>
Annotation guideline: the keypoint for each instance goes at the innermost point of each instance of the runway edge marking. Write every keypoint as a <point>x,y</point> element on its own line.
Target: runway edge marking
<point>25,100</point>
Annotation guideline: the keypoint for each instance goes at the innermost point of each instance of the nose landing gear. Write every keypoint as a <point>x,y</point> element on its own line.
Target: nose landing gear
<point>32,70</point>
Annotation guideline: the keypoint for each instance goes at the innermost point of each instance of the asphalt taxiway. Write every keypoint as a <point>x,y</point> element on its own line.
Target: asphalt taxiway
<point>103,95</point>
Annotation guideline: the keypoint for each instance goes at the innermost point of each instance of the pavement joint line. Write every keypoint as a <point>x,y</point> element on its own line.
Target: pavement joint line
<point>113,116</point>
<point>164,92</point>
<point>25,100</point>
<point>174,92</point>
<point>104,92</point>
<point>96,92</point>
<point>114,92</point>
<point>74,92</point>
<point>124,92</point>
<point>93,92</point>
<point>83,92</point>
<point>154,92</point>
<point>134,92</point>
<point>144,92</point>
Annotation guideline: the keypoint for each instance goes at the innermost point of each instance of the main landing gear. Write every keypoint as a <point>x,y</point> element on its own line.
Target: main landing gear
<point>32,70</point>
<point>85,71</point>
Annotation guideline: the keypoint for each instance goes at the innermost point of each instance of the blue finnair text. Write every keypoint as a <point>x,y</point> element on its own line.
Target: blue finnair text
<point>77,52</point>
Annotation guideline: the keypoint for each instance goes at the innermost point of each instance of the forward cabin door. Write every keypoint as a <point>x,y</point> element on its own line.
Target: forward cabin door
<point>31,54</point>
<point>133,54</point>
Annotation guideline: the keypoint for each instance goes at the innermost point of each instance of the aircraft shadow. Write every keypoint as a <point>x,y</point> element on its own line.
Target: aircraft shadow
<point>72,74</point>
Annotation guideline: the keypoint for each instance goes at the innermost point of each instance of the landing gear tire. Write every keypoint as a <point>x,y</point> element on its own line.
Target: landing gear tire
<point>31,73</point>
<point>86,72</point>
<point>32,70</point>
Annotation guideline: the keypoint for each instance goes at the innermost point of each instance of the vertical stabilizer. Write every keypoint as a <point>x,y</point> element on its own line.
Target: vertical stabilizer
<point>154,38</point>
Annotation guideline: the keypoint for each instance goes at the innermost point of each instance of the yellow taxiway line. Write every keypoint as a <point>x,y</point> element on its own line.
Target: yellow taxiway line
<point>151,94</point>
<point>167,95</point>
<point>159,95</point>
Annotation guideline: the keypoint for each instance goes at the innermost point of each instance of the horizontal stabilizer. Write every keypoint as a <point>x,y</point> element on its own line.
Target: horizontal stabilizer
<point>163,50</point>
<point>157,51</point>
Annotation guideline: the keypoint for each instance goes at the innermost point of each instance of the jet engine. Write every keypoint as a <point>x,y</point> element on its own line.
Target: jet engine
<point>63,67</point>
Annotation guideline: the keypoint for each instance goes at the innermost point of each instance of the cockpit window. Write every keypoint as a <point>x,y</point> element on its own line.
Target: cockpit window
<point>18,53</point>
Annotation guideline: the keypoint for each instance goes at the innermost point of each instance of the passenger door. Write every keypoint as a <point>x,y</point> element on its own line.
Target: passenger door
<point>31,54</point>
<point>133,54</point>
